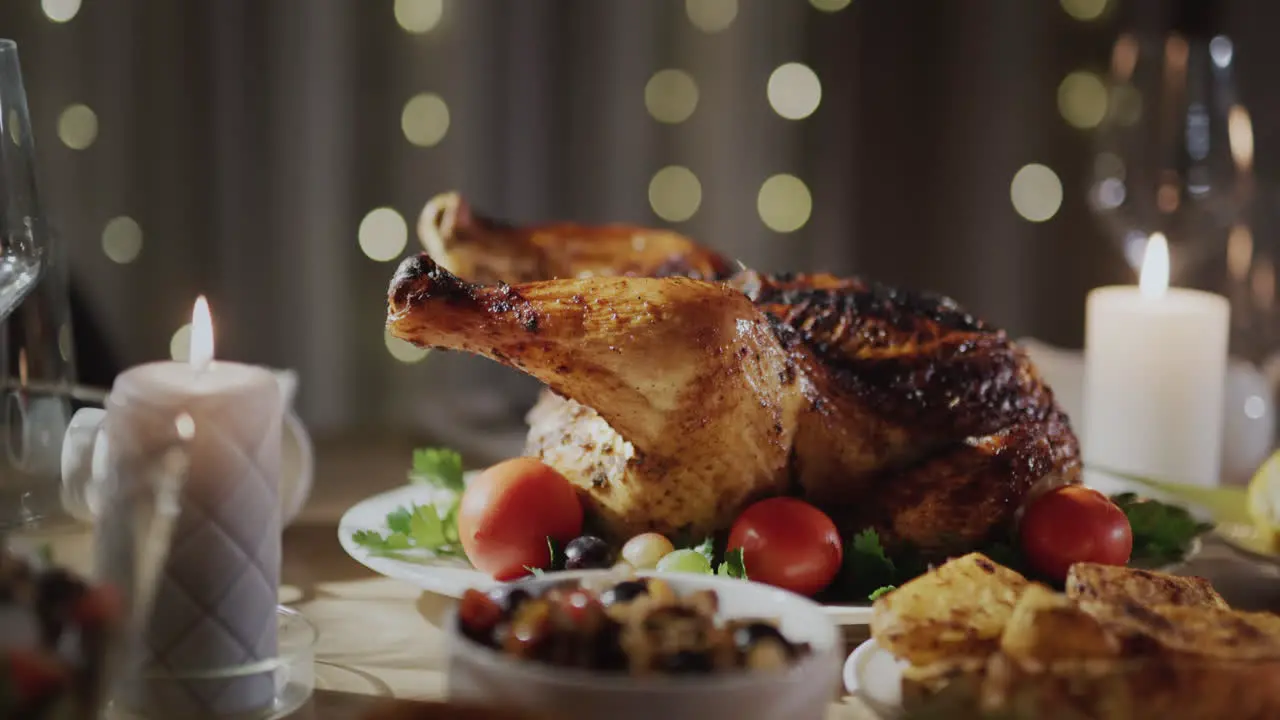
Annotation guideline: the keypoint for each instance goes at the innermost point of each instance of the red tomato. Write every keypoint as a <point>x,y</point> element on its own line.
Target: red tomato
<point>508,512</point>
<point>788,543</point>
<point>1074,524</point>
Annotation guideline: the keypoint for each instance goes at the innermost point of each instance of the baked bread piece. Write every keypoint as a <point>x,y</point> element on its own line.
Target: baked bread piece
<point>1047,627</point>
<point>955,611</point>
<point>1089,583</point>
<point>1148,688</point>
<point>1123,644</point>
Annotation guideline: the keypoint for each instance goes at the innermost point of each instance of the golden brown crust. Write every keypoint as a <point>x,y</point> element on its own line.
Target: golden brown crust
<point>954,612</point>
<point>1092,583</point>
<point>1121,655</point>
<point>687,372</point>
<point>911,415</point>
<point>485,250</point>
<point>959,496</point>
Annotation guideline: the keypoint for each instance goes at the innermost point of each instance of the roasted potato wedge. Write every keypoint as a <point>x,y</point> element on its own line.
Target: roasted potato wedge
<point>954,611</point>
<point>1089,583</point>
<point>1047,627</point>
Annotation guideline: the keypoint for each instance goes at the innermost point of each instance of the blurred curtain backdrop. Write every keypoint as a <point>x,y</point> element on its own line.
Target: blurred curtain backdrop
<point>247,139</point>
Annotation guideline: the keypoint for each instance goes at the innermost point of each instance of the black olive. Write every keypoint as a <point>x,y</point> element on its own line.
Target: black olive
<point>625,591</point>
<point>748,635</point>
<point>687,662</point>
<point>509,598</point>
<point>586,553</point>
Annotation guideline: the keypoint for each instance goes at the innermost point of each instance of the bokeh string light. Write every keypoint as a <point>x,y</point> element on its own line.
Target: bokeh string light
<point>829,6</point>
<point>794,91</point>
<point>122,239</point>
<point>671,96</point>
<point>60,11</point>
<point>784,203</point>
<point>675,193</point>
<point>425,119</point>
<point>1036,192</point>
<point>383,234</point>
<point>711,16</point>
<point>180,344</point>
<point>405,352</point>
<point>1085,10</point>
<point>418,16</point>
<point>1082,99</point>
<point>78,126</point>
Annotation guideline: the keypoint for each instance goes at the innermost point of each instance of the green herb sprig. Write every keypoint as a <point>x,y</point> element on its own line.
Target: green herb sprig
<point>432,527</point>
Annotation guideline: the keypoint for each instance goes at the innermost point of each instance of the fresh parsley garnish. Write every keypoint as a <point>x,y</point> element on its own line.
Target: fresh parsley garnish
<point>432,527</point>
<point>878,592</point>
<point>707,549</point>
<point>1162,533</point>
<point>867,562</point>
<point>420,527</point>
<point>398,520</point>
<point>734,565</point>
<point>437,467</point>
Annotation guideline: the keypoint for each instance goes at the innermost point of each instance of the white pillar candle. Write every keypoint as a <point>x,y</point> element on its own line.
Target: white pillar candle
<point>216,594</point>
<point>1155,360</point>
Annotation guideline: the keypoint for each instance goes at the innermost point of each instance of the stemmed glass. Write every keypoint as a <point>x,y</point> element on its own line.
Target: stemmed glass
<point>37,374</point>
<point>1174,153</point>
<point>22,230</point>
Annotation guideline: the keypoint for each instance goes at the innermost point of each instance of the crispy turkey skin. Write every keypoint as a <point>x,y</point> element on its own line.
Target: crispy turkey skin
<point>693,400</point>
<point>674,401</point>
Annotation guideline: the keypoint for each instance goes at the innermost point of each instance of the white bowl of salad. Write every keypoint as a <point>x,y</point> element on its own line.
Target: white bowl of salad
<point>618,645</point>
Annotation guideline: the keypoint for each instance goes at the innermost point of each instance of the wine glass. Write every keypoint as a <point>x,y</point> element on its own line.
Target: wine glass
<point>21,224</point>
<point>37,373</point>
<point>1174,152</point>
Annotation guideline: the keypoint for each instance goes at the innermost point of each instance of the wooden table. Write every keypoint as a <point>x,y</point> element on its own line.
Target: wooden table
<point>381,638</point>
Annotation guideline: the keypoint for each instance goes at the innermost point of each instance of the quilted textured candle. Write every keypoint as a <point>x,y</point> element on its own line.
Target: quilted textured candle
<point>216,592</point>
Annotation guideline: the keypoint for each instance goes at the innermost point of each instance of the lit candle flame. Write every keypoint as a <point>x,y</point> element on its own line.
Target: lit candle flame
<point>201,334</point>
<point>1153,281</point>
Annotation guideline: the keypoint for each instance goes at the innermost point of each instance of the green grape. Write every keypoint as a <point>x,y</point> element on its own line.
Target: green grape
<point>687,561</point>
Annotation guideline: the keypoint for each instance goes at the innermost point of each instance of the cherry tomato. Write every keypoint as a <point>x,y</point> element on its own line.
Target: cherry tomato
<point>1074,524</point>
<point>507,513</point>
<point>788,543</point>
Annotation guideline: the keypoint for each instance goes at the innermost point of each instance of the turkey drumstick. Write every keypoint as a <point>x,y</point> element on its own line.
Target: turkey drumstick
<point>692,388</point>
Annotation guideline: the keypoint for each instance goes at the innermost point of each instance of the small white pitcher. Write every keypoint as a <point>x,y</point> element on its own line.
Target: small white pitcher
<point>84,459</point>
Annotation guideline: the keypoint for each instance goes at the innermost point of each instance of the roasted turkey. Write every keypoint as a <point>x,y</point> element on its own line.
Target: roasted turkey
<point>683,387</point>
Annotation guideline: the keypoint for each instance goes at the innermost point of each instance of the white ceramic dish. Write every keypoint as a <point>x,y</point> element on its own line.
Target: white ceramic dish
<point>451,577</point>
<point>874,675</point>
<point>802,692</point>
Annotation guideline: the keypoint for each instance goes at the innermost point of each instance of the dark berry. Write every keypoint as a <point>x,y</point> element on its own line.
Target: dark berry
<point>747,635</point>
<point>509,597</point>
<point>587,553</point>
<point>624,592</point>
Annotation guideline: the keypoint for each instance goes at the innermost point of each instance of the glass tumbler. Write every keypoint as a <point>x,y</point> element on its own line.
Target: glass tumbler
<point>36,357</point>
